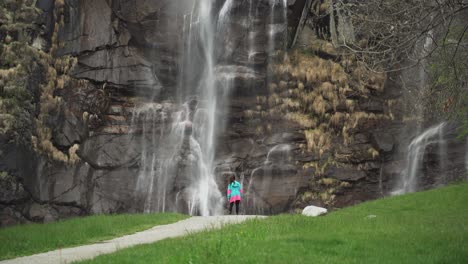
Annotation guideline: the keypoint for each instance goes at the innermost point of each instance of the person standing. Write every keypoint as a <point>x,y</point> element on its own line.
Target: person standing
<point>234,194</point>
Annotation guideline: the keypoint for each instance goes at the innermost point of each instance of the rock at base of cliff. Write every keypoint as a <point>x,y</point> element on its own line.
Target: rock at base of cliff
<point>314,211</point>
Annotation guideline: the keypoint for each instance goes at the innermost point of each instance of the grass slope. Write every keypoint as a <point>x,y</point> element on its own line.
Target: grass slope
<point>426,227</point>
<point>36,238</point>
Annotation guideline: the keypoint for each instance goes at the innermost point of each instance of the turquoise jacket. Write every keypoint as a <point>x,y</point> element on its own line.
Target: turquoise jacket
<point>234,192</point>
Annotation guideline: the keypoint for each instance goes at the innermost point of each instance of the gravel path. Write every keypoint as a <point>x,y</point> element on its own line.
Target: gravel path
<point>181,228</point>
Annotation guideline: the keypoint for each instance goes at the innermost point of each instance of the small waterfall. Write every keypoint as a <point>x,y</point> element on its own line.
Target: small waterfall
<point>415,155</point>
<point>279,153</point>
<point>252,32</point>
<point>442,156</point>
<point>155,167</point>
<point>277,159</point>
<point>278,24</point>
<point>423,51</point>
<point>223,14</point>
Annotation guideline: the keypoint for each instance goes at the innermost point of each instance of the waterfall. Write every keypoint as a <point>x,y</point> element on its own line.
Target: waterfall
<point>225,10</point>
<point>176,167</point>
<point>178,138</point>
<point>443,149</point>
<point>252,33</point>
<point>423,50</point>
<point>278,24</point>
<point>415,158</point>
<point>279,152</point>
<point>155,168</point>
<point>277,159</point>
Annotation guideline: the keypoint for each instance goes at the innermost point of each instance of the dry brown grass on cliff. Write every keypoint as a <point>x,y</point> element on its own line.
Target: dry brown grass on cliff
<point>330,92</point>
<point>337,120</point>
<point>304,120</point>
<point>317,87</point>
<point>57,77</point>
<point>318,140</point>
<point>273,87</point>
<point>9,74</point>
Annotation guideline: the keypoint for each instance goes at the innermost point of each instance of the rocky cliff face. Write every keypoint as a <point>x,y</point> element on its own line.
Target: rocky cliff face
<point>311,127</point>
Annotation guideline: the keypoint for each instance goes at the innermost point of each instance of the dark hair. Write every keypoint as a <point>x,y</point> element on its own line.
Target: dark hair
<point>232,179</point>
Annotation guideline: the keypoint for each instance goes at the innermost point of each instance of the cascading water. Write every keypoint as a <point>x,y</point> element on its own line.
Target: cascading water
<point>177,168</point>
<point>205,195</point>
<point>416,80</point>
<point>423,51</point>
<point>252,33</point>
<point>415,158</point>
<point>179,137</point>
<point>278,24</point>
<point>277,160</point>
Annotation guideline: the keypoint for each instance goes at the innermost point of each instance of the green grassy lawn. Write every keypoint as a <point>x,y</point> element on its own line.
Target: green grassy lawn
<point>426,227</point>
<point>36,238</point>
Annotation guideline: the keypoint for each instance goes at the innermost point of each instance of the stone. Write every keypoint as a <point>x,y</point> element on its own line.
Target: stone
<point>356,153</point>
<point>117,67</point>
<point>115,110</point>
<point>361,138</point>
<point>50,217</point>
<point>135,11</point>
<point>115,129</point>
<point>113,191</point>
<point>384,141</point>
<point>115,120</point>
<point>110,151</point>
<point>240,148</point>
<point>284,138</point>
<point>314,211</point>
<point>272,188</point>
<point>68,211</point>
<point>69,130</point>
<point>6,218</point>
<point>346,173</point>
<point>372,106</point>
<point>67,184</point>
<point>275,170</point>
<point>11,190</point>
<point>259,151</point>
<point>37,211</point>
<point>241,79</point>
<point>88,25</point>
<point>280,154</point>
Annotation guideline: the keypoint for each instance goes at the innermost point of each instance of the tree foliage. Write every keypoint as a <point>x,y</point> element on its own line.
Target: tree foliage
<point>390,35</point>
<point>449,73</point>
<point>387,33</point>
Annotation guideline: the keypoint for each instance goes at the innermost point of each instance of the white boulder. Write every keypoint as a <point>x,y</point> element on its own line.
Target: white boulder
<point>314,211</point>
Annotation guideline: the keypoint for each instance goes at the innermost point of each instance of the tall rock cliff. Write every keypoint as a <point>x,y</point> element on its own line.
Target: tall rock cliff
<point>306,126</point>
